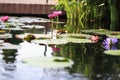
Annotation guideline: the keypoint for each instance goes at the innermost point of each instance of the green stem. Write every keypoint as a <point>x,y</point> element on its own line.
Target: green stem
<point>52,29</point>
<point>8,27</point>
<point>57,22</point>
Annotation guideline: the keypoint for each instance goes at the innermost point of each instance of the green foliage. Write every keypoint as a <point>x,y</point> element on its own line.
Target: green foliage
<point>75,11</point>
<point>93,14</point>
<point>114,11</point>
<point>82,14</point>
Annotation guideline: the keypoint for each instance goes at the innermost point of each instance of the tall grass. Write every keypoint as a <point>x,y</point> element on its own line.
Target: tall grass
<point>81,14</point>
<point>75,12</point>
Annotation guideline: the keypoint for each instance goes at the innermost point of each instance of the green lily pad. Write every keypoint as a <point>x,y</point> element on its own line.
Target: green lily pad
<point>114,33</point>
<point>96,31</point>
<point>113,52</point>
<point>50,41</point>
<point>114,36</point>
<point>77,40</point>
<point>76,35</point>
<point>48,62</point>
<point>38,36</point>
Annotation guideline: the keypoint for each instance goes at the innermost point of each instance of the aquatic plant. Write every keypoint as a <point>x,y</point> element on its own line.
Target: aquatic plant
<point>110,43</point>
<point>5,19</point>
<point>55,14</point>
<point>114,14</point>
<point>113,52</point>
<point>75,11</point>
<point>81,14</point>
<point>94,38</point>
<point>29,37</point>
<point>52,16</point>
<point>48,62</point>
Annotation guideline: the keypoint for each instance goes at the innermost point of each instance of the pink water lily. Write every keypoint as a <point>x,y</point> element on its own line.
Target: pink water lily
<point>57,13</point>
<point>51,16</point>
<point>4,18</point>
<point>94,38</point>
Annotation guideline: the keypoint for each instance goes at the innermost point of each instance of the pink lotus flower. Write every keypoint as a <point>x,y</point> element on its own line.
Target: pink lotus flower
<point>57,13</point>
<point>51,16</point>
<point>4,18</point>
<point>94,38</point>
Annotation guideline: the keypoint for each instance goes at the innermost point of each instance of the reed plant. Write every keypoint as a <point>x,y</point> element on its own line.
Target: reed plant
<point>114,14</point>
<point>80,13</point>
<point>75,11</point>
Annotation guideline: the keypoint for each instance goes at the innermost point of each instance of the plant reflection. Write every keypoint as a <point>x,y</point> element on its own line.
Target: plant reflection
<point>9,55</point>
<point>90,61</point>
<point>9,58</point>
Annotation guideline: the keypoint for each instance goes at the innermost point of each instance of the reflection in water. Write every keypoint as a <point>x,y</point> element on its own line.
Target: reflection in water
<point>25,72</point>
<point>9,55</point>
<point>12,69</point>
<point>7,66</point>
<point>90,63</point>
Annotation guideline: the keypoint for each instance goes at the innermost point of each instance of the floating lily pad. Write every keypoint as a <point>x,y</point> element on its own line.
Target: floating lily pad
<point>48,62</point>
<point>113,52</point>
<point>2,31</point>
<point>50,41</point>
<point>77,40</point>
<point>96,31</point>
<point>80,36</point>
<point>114,36</point>
<point>38,36</point>
<point>29,37</point>
<point>114,33</point>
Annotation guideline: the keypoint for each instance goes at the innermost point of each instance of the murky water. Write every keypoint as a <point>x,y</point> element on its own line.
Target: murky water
<point>90,62</point>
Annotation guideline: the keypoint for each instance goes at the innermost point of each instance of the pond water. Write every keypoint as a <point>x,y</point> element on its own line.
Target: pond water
<point>90,61</point>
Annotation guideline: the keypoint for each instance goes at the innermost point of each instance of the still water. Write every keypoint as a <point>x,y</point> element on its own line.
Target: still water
<point>90,62</point>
